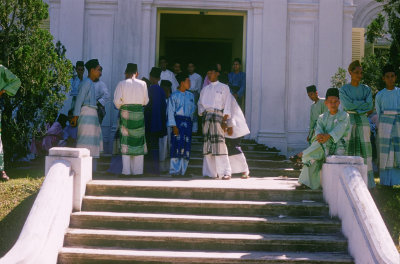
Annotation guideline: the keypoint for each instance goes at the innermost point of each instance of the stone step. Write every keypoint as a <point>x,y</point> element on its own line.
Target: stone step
<point>254,171</point>
<point>203,207</point>
<point>251,190</point>
<point>147,221</point>
<point>116,256</point>
<point>138,239</point>
<point>260,163</point>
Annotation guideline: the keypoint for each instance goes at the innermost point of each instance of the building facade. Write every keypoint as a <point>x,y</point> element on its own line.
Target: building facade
<point>285,45</point>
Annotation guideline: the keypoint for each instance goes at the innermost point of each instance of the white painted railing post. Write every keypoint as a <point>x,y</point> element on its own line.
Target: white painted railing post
<point>81,165</point>
<point>344,183</point>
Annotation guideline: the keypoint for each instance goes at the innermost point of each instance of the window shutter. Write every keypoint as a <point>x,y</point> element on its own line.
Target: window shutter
<point>358,44</point>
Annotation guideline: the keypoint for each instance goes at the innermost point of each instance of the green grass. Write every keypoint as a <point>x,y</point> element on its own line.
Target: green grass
<point>17,196</point>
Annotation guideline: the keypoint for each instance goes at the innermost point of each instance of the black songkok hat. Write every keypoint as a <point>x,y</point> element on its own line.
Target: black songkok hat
<point>311,89</point>
<point>93,63</point>
<point>388,68</point>
<point>212,67</point>
<point>165,83</point>
<point>155,72</point>
<point>131,68</point>
<point>332,92</point>
<point>79,63</point>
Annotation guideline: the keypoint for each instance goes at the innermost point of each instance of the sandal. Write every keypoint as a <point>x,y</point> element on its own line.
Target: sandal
<point>4,176</point>
<point>226,177</point>
<point>245,176</point>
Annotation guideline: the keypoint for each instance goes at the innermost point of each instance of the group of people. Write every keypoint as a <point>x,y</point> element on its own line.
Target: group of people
<point>159,114</point>
<point>348,132</point>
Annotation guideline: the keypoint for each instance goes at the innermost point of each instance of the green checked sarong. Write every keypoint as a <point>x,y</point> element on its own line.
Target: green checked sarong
<point>359,143</point>
<point>389,141</point>
<point>132,131</point>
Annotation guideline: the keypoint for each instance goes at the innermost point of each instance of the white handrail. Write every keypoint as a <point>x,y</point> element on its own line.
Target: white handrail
<point>345,190</point>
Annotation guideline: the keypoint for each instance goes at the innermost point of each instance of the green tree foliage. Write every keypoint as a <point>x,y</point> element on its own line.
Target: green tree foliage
<point>372,71</point>
<point>29,52</point>
<point>339,78</point>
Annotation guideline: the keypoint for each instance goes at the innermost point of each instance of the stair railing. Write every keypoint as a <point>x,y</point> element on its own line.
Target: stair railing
<point>344,182</point>
<point>67,172</point>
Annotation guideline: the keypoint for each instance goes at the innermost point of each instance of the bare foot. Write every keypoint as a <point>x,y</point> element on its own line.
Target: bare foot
<point>4,176</point>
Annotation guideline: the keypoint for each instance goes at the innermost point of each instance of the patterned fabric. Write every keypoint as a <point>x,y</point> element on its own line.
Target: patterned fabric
<point>214,139</point>
<point>389,141</point>
<point>359,143</point>
<point>180,145</point>
<point>89,131</point>
<point>132,131</point>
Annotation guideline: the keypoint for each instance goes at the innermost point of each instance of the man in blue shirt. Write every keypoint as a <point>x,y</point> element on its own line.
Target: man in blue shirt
<point>237,81</point>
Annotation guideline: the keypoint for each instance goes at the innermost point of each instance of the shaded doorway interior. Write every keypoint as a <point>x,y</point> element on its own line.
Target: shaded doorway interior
<point>202,37</point>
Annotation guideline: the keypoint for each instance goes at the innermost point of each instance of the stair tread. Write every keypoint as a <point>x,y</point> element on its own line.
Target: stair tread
<point>205,235</point>
<point>233,255</point>
<point>307,220</point>
<point>200,202</point>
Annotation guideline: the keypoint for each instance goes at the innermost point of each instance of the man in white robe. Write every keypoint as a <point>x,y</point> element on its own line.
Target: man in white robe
<point>130,96</point>
<point>195,88</point>
<point>167,74</point>
<point>214,105</point>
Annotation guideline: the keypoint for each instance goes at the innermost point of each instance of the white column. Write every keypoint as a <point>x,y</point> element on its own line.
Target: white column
<point>347,39</point>
<point>146,37</point>
<point>72,13</point>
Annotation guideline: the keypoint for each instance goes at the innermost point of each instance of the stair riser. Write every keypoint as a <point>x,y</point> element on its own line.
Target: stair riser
<point>69,258</point>
<point>162,243</point>
<point>204,193</point>
<point>201,225</point>
<point>205,209</point>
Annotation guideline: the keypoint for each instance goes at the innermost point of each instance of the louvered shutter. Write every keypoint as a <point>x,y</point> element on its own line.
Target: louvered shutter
<point>358,44</point>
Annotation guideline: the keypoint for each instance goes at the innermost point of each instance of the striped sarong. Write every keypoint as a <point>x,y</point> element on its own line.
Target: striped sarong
<point>181,144</point>
<point>89,131</point>
<point>359,142</point>
<point>389,141</point>
<point>131,123</point>
<point>213,134</point>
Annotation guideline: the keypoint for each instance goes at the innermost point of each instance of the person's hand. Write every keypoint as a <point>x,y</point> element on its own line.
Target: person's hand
<point>308,138</point>
<point>224,126</point>
<point>322,138</point>
<point>230,131</point>
<point>175,130</point>
<point>74,121</point>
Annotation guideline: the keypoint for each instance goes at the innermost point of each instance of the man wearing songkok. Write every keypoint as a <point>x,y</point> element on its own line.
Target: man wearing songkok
<point>167,74</point>
<point>102,97</point>
<point>214,105</point>
<point>237,128</point>
<point>317,108</point>
<point>330,139</point>
<point>89,130</point>
<point>181,108</point>
<point>9,84</point>
<point>129,97</point>
<point>155,121</point>
<point>387,103</point>
<point>356,99</point>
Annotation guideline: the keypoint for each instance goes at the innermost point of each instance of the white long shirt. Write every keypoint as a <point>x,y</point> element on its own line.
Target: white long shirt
<point>195,82</point>
<point>237,121</point>
<point>169,75</point>
<point>102,94</point>
<point>131,91</point>
<point>216,95</point>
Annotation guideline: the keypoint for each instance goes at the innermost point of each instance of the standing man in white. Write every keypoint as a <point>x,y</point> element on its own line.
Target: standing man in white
<point>215,107</point>
<point>167,74</point>
<point>130,96</point>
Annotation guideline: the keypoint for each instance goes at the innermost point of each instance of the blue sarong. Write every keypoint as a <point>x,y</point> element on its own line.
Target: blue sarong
<point>181,144</point>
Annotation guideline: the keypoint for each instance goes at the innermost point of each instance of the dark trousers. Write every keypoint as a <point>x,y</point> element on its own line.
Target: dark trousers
<point>152,158</point>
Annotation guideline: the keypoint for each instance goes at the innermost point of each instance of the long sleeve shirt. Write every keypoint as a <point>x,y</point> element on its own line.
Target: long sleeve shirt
<point>356,99</point>
<point>216,95</point>
<point>8,81</point>
<point>102,93</point>
<point>130,91</point>
<point>75,86</point>
<point>169,75</point>
<point>387,100</point>
<point>195,82</point>
<point>239,80</point>
<point>86,96</point>
<point>180,103</point>
<point>156,111</point>
<point>316,110</point>
<point>337,126</point>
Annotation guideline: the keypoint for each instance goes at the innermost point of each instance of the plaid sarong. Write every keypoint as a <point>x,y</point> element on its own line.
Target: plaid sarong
<point>133,141</point>
<point>181,144</point>
<point>213,134</point>
<point>359,143</point>
<point>89,131</point>
<point>389,141</point>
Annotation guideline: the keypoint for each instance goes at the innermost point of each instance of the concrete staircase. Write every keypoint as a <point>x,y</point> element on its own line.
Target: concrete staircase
<point>194,220</point>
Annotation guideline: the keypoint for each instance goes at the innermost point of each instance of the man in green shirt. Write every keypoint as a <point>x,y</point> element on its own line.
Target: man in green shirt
<point>317,108</point>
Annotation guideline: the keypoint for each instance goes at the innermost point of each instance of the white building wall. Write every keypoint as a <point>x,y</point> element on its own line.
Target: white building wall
<point>290,45</point>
